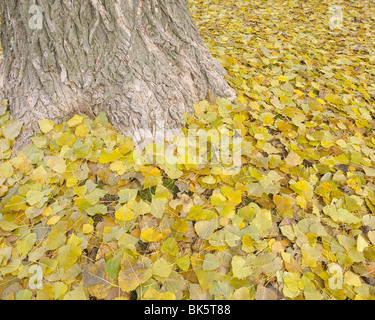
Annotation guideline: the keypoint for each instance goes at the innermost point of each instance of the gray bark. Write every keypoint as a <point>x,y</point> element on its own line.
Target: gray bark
<point>141,61</point>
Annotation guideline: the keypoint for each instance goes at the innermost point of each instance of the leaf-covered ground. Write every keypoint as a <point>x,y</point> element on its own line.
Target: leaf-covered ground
<point>81,210</point>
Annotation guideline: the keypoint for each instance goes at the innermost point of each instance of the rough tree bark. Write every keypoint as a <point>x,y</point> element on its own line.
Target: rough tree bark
<point>141,61</point>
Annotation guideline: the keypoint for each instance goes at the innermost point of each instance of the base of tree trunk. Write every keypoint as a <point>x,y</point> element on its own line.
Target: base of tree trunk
<point>142,62</point>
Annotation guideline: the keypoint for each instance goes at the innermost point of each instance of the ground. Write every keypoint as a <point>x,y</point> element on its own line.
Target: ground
<point>84,215</point>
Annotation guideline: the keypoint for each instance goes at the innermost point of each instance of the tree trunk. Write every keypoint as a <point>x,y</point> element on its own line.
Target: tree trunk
<point>140,61</point>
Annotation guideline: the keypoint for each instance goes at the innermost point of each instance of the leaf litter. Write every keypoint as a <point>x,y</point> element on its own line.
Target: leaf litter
<point>100,222</point>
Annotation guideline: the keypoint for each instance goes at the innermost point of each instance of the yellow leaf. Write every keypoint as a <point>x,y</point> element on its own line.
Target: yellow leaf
<point>52,221</point>
<point>132,274</point>
<point>6,170</point>
<point>57,164</point>
<point>352,279</point>
<point>209,180</point>
<point>3,190</point>
<point>47,211</point>
<point>77,294</point>
<point>26,244</point>
<point>312,95</point>
<point>39,174</point>
<point>283,126</point>
<point>87,228</point>
<point>71,182</point>
<point>152,294</point>
<point>326,144</point>
<point>16,203</point>
<point>181,226</point>
<point>293,159</point>
<point>46,125</point>
<point>283,204</point>
<point>158,207</point>
<point>218,199</point>
<point>162,268</point>
<point>74,240</point>
<point>82,130</point>
<point>282,79</point>
<point>66,139</point>
<point>267,120</point>
<point>124,213</point>
<point>118,166</point>
<point>75,121</point>
<point>301,201</point>
<point>149,171</point>
<point>254,106</point>
<point>80,191</point>
<point>299,92</point>
<point>239,268</point>
<point>33,197</point>
<point>183,263</point>
<point>362,243</point>
<point>110,157</point>
<point>126,146</point>
<point>302,185</point>
<point>263,220</point>
<point>241,99</point>
<point>151,235</point>
<point>233,196</point>
<point>68,255</point>
<point>308,261</point>
<point>333,99</point>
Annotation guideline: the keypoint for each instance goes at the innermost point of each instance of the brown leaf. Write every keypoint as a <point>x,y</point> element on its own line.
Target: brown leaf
<point>268,293</point>
<point>96,279</point>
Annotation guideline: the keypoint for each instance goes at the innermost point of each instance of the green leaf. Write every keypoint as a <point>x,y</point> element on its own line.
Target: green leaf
<point>113,265</point>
